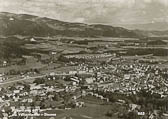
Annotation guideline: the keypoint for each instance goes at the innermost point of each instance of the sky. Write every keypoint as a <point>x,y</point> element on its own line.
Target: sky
<point>92,11</point>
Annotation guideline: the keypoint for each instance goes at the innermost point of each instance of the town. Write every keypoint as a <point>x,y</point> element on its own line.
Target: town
<point>138,87</point>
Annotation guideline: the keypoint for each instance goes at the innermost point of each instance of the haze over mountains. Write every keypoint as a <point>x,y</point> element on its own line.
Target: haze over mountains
<point>28,25</point>
<point>154,26</point>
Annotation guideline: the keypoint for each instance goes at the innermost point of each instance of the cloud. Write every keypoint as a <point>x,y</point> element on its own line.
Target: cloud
<point>92,11</point>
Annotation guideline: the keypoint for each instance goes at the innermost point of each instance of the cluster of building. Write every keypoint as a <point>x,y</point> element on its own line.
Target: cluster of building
<point>119,76</point>
<point>34,99</point>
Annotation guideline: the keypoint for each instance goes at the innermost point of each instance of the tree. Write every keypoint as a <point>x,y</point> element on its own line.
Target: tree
<point>42,105</point>
<point>112,98</point>
<point>109,113</point>
<point>39,81</point>
<point>12,72</point>
<point>56,97</point>
<point>27,87</point>
<point>37,71</point>
<point>131,115</point>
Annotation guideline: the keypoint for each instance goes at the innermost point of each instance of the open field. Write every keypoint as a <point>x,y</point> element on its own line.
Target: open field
<point>91,111</point>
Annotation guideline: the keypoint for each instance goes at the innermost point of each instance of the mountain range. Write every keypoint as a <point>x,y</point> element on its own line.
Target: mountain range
<point>29,25</point>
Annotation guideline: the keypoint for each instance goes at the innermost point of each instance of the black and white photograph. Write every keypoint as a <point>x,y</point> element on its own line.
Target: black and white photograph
<point>83,59</point>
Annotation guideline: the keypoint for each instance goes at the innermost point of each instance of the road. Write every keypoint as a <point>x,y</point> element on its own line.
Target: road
<point>26,78</point>
<point>29,78</point>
